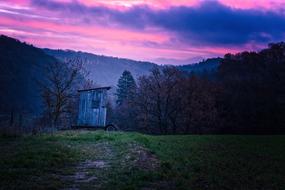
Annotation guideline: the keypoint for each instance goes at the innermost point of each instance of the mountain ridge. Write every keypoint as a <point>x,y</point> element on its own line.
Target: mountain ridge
<point>103,70</point>
<point>106,70</point>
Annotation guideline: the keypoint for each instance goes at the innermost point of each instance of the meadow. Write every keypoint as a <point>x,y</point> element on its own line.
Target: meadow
<point>124,160</point>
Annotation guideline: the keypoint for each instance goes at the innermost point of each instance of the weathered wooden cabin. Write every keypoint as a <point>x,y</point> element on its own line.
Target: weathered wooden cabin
<point>92,107</point>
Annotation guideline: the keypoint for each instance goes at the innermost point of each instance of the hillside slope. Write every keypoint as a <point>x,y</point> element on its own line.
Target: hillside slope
<point>21,66</point>
<point>208,65</point>
<point>104,70</point>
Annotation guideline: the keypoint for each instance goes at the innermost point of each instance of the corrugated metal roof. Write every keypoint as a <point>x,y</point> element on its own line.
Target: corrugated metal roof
<point>98,88</point>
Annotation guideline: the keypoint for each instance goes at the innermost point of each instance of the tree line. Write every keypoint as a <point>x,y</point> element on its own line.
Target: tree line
<point>246,95</point>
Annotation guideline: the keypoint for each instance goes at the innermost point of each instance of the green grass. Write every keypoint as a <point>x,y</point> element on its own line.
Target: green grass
<point>184,161</point>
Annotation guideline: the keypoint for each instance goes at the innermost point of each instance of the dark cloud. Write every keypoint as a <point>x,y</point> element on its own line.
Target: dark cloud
<point>210,23</point>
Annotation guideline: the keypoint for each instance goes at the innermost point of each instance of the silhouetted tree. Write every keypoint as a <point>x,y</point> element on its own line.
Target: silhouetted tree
<point>126,91</point>
<point>158,100</point>
<point>200,110</point>
<point>59,90</point>
<point>169,101</point>
<point>254,94</point>
<point>126,88</point>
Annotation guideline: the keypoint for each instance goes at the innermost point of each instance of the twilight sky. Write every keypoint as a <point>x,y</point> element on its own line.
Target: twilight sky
<point>163,31</point>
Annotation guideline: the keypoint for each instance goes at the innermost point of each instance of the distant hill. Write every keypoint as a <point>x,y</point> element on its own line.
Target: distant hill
<point>21,66</point>
<point>104,70</point>
<point>167,61</point>
<point>208,66</point>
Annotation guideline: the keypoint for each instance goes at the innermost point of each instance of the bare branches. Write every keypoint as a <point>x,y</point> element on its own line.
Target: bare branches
<point>59,89</point>
<point>169,102</point>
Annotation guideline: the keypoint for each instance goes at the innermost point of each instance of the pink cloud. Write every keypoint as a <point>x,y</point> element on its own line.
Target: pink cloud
<point>241,4</point>
<point>45,27</point>
<point>257,4</point>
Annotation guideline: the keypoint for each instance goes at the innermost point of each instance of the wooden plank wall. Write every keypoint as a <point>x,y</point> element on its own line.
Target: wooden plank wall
<point>88,114</point>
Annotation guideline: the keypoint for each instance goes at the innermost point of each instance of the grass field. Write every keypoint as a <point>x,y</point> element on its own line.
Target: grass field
<point>98,160</point>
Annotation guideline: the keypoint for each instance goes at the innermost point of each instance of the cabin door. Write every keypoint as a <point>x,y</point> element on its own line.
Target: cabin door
<point>92,109</point>
<point>99,107</point>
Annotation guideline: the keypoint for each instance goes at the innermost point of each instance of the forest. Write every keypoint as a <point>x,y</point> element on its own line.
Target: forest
<point>243,94</point>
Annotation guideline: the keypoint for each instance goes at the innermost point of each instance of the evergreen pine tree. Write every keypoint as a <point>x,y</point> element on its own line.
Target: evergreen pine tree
<point>126,88</point>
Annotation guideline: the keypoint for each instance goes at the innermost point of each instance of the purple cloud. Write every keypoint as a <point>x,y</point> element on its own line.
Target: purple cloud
<point>210,23</point>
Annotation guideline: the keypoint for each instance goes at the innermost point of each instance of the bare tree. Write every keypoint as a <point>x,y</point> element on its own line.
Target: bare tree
<point>169,101</point>
<point>158,99</point>
<point>59,89</point>
<point>200,110</point>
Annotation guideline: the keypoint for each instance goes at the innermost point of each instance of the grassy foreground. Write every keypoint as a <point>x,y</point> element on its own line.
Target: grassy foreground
<point>99,160</point>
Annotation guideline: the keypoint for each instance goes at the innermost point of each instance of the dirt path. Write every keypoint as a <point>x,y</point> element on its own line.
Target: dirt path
<point>82,176</point>
<point>104,160</point>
